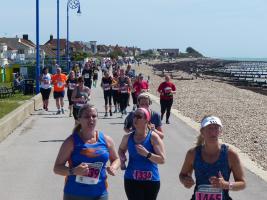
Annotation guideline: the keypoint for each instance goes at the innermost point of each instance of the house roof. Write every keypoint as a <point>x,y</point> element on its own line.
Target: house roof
<point>53,43</point>
<point>48,51</point>
<point>16,43</point>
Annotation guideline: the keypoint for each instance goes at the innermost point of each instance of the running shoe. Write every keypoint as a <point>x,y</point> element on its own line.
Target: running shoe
<point>62,110</point>
<point>106,114</point>
<point>58,112</point>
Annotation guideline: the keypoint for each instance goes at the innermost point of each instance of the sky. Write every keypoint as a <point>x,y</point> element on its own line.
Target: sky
<point>215,28</point>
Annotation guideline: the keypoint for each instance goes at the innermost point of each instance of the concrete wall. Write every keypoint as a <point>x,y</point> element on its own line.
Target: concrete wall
<point>12,120</point>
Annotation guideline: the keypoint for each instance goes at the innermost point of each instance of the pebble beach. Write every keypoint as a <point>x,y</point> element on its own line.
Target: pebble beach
<point>243,112</point>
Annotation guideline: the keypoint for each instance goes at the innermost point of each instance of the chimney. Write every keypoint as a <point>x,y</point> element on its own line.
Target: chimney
<point>25,37</point>
<point>51,37</point>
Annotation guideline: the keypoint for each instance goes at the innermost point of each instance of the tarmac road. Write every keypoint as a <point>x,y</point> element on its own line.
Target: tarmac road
<point>28,154</point>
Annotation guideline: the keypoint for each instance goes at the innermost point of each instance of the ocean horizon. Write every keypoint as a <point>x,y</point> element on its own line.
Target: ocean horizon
<point>244,59</point>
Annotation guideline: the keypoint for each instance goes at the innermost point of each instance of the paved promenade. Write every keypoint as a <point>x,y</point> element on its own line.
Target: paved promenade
<point>28,154</point>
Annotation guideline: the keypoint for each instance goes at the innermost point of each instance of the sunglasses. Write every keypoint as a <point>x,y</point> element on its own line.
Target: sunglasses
<point>138,116</point>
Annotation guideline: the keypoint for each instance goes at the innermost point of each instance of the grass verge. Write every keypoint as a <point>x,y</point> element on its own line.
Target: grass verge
<point>9,104</point>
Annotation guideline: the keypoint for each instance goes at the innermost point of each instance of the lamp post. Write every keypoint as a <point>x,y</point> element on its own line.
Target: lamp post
<point>37,50</point>
<point>58,43</point>
<point>73,4</point>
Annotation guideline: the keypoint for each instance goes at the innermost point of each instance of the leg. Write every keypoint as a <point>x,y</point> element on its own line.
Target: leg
<point>162,108</point>
<point>152,190</point>
<point>169,105</point>
<point>134,190</point>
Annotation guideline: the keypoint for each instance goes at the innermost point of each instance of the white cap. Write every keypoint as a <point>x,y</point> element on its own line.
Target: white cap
<point>211,120</point>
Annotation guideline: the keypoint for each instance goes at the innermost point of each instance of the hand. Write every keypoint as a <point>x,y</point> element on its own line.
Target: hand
<point>81,169</point>
<point>111,171</point>
<point>188,181</point>
<point>218,182</point>
<point>141,150</point>
<point>152,127</point>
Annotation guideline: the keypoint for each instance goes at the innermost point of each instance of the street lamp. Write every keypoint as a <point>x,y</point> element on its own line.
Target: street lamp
<point>58,43</point>
<point>73,4</point>
<point>37,50</point>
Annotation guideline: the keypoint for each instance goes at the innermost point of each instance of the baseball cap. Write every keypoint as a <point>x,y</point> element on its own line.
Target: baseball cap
<point>211,120</point>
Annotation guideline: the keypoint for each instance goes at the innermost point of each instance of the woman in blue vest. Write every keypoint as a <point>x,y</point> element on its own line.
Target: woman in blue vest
<point>212,163</point>
<point>83,159</point>
<point>146,151</point>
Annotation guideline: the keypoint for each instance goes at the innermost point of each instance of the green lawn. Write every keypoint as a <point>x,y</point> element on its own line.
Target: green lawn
<point>9,104</point>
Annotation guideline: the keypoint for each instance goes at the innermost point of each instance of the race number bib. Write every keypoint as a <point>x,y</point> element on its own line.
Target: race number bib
<point>86,75</point>
<point>106,86</point>
<point>72,86</point>
<point>142,175</point>
<point>207,192</point>
<point>124,89</point>
<point>93,174</point>
<point>59,84</point>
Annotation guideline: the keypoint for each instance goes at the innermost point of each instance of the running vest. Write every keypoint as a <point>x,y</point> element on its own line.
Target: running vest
<point>139,167</point>
<point>96,155</point>
<point>46,81</point>
<point>204,170</point>
<point>106,83</point>
<point>78,95</point>
<point>123,84</point>
<point>71,84</point>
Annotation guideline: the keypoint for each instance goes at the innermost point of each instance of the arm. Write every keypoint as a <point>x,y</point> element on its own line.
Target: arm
<point>237,169</point>
<point>159,156</point>
<point>238,173</point>
<point>185,175</point>
<point>158,130</point>
<point>113,157</point>
<point>63,155</point>
<point>122,150</point>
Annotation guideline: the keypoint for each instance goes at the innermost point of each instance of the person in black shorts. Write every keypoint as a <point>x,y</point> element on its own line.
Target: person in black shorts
<point>87,74</point>
<point>71,84</point>
<point>106,85</point>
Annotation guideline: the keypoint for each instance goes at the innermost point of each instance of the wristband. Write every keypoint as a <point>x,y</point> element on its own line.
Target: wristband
<point>231,185</point>
<point>148,155</point>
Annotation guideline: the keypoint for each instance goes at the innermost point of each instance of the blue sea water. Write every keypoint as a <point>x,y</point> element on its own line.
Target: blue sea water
<point>245,59</point>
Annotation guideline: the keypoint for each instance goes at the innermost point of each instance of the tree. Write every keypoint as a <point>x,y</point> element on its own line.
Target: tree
<point>193,52</point>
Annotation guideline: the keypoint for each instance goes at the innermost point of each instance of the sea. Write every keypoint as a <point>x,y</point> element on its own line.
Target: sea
<point>245,59</point>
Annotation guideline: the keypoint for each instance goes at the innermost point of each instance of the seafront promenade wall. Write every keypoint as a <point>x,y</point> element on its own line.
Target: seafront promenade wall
<point>12,120</point>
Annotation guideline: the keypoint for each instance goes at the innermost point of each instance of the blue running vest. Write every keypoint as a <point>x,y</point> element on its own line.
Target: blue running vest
<point>96,155</point>
<point>204,170</point>
<point>139,167</point>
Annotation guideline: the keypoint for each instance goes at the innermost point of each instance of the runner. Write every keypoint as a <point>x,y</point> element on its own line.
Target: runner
<point>95,74</point>
<point>71,84</point>
<point>140,85</point>
<point>87,74</point>
<point>166,90</point>
<point>45,87</point>
<point>212,163</point>
<point>146,151</point>
<point>59,81</point>
<point>155,124</point>
<point>106,85</point>
<point>80,96</point>
<point>131,74</point>
<point>115,92</point>
<point>124,84</point>
<point>87,152</point>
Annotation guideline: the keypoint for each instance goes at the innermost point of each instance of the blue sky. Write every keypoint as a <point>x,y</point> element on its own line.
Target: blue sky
<point>216,28</point>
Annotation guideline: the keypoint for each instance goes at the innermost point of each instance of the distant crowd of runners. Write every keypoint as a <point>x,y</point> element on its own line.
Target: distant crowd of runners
<point>88,154</point>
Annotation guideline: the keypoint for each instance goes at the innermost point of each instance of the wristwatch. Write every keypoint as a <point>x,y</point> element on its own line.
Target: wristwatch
<point>71,171</point>
<point>148,155</point>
